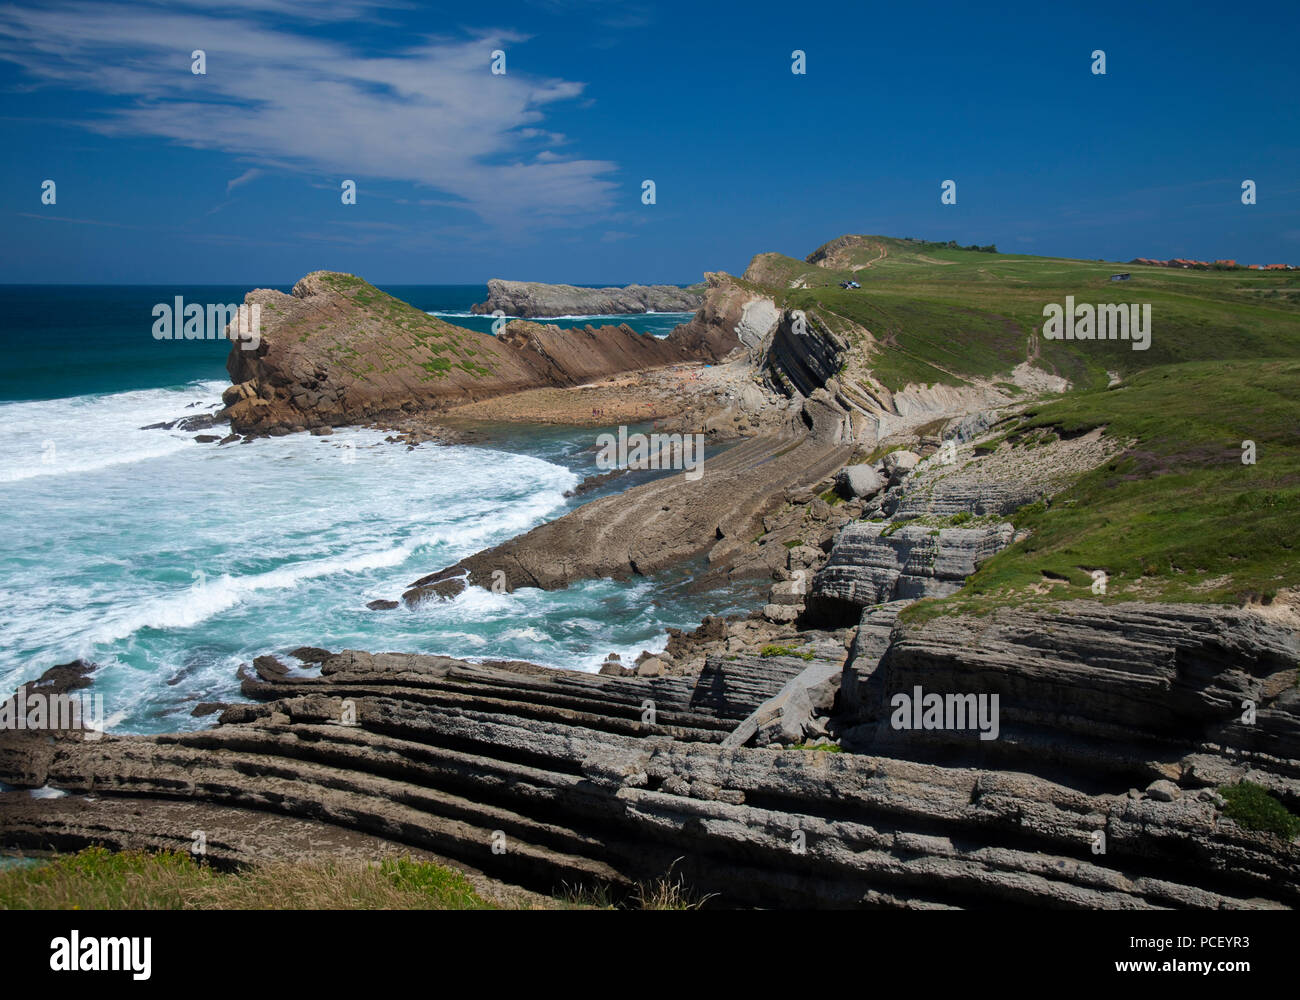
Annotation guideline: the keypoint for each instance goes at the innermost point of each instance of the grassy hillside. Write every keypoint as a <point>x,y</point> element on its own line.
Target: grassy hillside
<point>430,343</point>
<point>941,315</point>
<point>1177,516</point>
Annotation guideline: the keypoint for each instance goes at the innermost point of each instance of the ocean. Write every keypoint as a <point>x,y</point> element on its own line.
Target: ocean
<point>168,563</point>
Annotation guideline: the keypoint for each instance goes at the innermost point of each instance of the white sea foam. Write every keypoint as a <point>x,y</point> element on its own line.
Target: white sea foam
<point>168,563</point>
<point>61,437</point>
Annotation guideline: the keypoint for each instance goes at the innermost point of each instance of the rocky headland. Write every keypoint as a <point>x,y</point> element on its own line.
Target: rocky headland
<point>339,351</point>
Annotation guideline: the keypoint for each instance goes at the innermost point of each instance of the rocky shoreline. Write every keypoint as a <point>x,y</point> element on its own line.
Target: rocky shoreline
<point>606,780</point>
<point>761,754</point>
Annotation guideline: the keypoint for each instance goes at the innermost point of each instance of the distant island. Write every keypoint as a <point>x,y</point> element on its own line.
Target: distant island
<point>536,300</point>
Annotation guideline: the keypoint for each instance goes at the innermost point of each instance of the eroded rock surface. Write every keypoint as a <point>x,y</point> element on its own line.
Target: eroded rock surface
<point>597,779</point>
<point>878,562</point>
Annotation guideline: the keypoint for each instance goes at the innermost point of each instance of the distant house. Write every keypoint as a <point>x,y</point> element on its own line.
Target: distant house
<point>1120,277</point>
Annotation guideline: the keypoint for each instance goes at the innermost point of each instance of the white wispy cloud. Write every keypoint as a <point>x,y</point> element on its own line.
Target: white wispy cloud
<point>252,173</point>
<point>430,113</point>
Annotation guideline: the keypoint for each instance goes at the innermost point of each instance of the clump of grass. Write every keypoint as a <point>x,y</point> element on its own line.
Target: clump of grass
<point>931,429</point>
<point>774,650</point>
<point>1251,806</point>
<point>445,885</point>
<point>669,893</point>
<point>874,456</point>
<point>587,897</point>
<point>99,879</point>
<point>793,543</point>
<point>823,747</point>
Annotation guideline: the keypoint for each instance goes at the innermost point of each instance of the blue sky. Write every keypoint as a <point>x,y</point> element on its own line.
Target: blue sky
<point>234,176</point>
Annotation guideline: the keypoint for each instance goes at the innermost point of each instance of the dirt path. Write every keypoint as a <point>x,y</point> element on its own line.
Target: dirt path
<point>836,261</point>
<point>884,252</point>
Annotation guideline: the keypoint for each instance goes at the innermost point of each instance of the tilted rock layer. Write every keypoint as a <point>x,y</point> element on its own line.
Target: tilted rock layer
<point>596,779</point>
<point>1129,692</point>
<point>874,563</point>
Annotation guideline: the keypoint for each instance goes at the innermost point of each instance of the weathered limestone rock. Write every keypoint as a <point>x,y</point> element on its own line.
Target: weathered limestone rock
<point>785,717</point>
<point>804,556</point>
<point>1127,690</point>
<point>898,464</point>
<point>788,592</point>
<point>860,696</point>
<point>858,481</point>
<point>994,483</point>
<point>734,688</point>
<point>876,562</point>
<point>1163,790</point>
<point>443,753</point>
<point>732,315</point>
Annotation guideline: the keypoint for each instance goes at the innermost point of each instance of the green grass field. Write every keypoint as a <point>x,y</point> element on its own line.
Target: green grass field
<point>943,314</point>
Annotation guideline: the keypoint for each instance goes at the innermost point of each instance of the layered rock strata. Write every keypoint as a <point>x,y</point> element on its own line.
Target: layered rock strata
<point>1203,695</point>
<point>879,562</point>
<point>613,780</point>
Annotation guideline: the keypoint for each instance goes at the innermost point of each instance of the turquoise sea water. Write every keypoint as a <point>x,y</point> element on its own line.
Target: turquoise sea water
<point>169,562</point>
